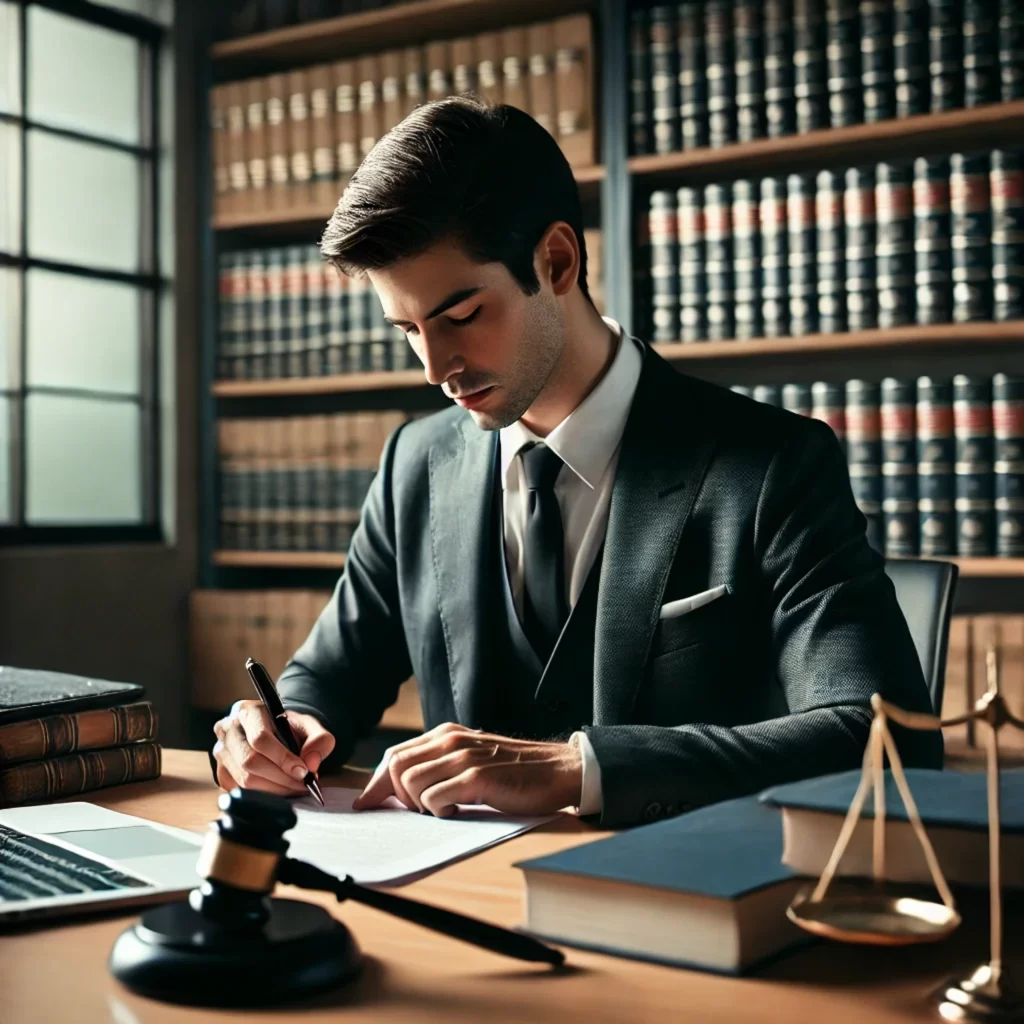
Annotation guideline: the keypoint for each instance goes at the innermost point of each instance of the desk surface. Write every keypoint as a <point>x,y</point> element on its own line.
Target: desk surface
<point>58,972</point>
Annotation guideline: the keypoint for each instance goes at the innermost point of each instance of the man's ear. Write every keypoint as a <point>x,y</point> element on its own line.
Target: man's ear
<point>557,258</point>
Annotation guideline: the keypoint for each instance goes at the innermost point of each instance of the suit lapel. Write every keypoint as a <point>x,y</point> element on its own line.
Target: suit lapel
<point>666,448</point>
<point>461,524</point>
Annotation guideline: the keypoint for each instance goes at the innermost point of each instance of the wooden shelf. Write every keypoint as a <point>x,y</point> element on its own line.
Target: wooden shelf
<point>914,335</point>
<point>316,215</point>
<point>397,25</point>
<point>989,567</point>
<point>905,137</point>
<point>280,559</point>
<point>383,381</point>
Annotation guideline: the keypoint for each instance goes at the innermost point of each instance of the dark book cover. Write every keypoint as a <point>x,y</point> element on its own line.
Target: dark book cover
<point>932,267</point>
<point>972,428</point>
<point>936,457</point>
<point>664,79</point>
<point>27,693</point>
<point>779,95</point>
<point>1006,191</point>
<point>864,454</point>
<point>894,243</point>
<point>1008,430</point>
<point>860,225</point>
<point>971,236</point>
<point>1011,50</point>
<point>693,83</point>
<point>910,57</point>
<point>690,226</point>
<point>899,466</point>
<point>946,54</point>
<point>828,404</point>
<point>843,40</point>
<point>664,265</point>
<point>877,60</point>
<point>831,252</point>
<point>981,53</point>
<point>810,69</point>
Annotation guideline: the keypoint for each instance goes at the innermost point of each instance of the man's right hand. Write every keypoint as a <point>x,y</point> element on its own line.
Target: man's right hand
<point>249,754</point>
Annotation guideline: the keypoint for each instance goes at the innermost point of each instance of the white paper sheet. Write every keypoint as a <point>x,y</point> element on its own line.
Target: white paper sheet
<point>391,845</point>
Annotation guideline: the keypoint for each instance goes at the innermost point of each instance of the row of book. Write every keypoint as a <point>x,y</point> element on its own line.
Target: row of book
<point>284,312</point>
<point>725,71</point>
<point>235,18</point>
<point>292,139</point>
<point>228,626</point>
<point>298,483</point>
<point>970,637</point>
<point>936,466</point>
<point>927,241</point>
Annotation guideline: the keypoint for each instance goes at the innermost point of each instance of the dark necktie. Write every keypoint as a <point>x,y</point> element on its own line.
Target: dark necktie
<point>543,552</point>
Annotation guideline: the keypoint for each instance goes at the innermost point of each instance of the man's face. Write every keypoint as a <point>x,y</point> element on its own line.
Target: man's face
<point>490,346</point>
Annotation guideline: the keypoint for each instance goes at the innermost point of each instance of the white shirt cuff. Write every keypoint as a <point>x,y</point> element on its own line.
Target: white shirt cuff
<point>591,798</point>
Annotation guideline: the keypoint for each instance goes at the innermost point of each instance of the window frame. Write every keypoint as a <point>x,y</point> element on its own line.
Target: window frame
<point>149,281</point>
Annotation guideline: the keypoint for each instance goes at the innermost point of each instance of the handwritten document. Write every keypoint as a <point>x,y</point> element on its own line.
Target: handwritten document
<point>391,845</point>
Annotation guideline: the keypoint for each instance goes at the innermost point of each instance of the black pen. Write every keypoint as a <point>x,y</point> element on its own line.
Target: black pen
<point>272,702</point>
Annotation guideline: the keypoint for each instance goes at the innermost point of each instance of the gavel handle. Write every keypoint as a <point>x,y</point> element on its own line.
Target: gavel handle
<point>458,926</point>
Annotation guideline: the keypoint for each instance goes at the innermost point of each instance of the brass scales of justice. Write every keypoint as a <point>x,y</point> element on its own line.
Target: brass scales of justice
<point>880,918</point>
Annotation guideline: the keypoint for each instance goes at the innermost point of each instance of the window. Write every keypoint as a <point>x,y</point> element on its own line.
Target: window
<point>81,281</point>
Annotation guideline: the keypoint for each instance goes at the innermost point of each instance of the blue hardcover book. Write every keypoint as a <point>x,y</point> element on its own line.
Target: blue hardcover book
<point>705,890</point>
<point>953,809</point>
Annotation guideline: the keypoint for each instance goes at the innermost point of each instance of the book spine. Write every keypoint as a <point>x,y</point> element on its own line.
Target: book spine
<point>641,135</point>
<point>894,243</point>
<point>228,476</point>
<point>226,315</point>
<point>488,68</point>
<point>945,54</point>
<point>664,265</point>
<point>746,262</point>
<point>831,249</point>
<point>936,458</point>
<point>463,60</point>
<point>79,773</point>
<point>779,96</point>
<point>319,495</point>
<point>910,57</point>
<point>57,735</point>
<point>338,457</point>
<point>971,228</point>
<point>256,141</point>
<point>972,426</point>
<point>323,151</point>
<point>1008,433</point>
<point>368,72</point>
<point>828,404</point>
<point>981,53</point>
<point>315,325</point>
<point>810,66</point>
<point>845,99</point>
<point>357,355</point>
<point>932,268</point>
<point>300,139</point>
<point>721,73</point>
<point>899,466</point>
<point>295,310</point>
<point>859,218</point>
<point>234,119</point>
<point>416,78</point>
<point>277,323</point>
<point>515,68</point>
<point>693,82</point>
<point>664,79</point>
<point>540,42</point>
<point>1006,186</point>
<point>768,394</point>
<point>1011,50</point>
<point>877,60</point>
<point>864,455</point>
<point>748,38</point>
<point>300,444</point>
<point>262,484</point>
<point>574,88</point>
<point>245,486</point>
<point>690,225</point>
<point>346,118</point>
<point>258,364</point>
<point>278,141</point>
<point>774,258</point>
<point>335,294</point>
<point>802,246</point>
<point>392,75</point>
<point>797,398</point>
<point>219,145</point>
<point>718,260</point>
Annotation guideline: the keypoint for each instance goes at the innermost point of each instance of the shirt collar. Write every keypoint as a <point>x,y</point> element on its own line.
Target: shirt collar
<point>588,437</point>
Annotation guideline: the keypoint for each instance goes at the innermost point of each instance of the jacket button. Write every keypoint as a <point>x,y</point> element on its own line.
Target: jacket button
<point>653,811</point>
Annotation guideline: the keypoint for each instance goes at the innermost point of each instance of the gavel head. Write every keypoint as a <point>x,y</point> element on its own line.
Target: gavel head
<point>239,858</point>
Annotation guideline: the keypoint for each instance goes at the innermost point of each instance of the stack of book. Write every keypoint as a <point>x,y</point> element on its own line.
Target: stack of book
<point>61,735</point>
<point>715,72</point>
<point>292,139</point>
<point>936,465</point>
<point>927,241</point>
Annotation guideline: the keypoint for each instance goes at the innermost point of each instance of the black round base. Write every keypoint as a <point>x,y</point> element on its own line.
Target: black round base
<point>176,955</point>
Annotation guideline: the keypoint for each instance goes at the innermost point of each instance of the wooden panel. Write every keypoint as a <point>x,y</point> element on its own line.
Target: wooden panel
<point>382,381</point>
<point>840,147</point>
<point>280,559</point>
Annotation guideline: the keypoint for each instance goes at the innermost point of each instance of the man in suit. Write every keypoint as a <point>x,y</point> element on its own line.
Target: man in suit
<point>619,588</point>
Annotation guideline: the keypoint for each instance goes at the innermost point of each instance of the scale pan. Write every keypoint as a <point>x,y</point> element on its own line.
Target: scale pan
<point>875,919</point>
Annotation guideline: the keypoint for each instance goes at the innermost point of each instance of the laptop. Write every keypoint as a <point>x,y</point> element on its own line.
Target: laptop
<point>67,858</point>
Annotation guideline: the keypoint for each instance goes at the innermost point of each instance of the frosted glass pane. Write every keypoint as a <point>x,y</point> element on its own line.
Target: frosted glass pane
<point>10,90</point>
<point>83,203</point>
<point>83,77</point>
<point>160,11</point>
<point>6,434</point>
<point>82,333</point>
<point>82,461</point>
<point>10,188</point>
<point>10,327</point>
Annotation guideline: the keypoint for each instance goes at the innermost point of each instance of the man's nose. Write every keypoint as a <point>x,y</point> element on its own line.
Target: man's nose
<point>440,360</point>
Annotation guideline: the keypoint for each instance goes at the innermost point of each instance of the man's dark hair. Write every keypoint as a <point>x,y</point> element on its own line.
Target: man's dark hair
<point>488,178</point>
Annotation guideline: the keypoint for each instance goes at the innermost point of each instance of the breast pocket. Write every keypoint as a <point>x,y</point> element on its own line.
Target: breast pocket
<point>706,623</point>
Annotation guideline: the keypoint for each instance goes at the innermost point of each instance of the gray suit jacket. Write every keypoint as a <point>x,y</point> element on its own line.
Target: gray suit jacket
<point>767,684</point>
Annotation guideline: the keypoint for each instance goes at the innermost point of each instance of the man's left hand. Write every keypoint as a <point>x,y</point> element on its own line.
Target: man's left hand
<point>453,764</point>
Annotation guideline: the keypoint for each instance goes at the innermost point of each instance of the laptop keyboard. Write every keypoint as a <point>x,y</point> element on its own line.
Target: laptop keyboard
<point>32,868</point>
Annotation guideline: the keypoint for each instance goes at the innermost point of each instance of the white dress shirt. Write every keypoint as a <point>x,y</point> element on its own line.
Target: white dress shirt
<point>587,441</point>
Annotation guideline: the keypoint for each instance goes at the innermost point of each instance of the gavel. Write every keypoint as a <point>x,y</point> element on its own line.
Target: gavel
<point>232,944</point>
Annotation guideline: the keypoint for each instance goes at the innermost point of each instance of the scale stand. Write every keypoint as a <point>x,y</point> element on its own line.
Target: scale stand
<point>986,993</point>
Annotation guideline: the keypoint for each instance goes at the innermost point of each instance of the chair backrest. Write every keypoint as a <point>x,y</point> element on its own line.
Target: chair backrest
<point>924,590</point>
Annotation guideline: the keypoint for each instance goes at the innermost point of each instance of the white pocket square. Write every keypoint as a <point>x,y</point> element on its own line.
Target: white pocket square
<point>674,609</point>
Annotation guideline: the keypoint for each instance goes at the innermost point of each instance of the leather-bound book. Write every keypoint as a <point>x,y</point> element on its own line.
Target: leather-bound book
<point>256,141</point>
<point>323,152</point>
<point>392,102</point>
<point>488,67</point>
<point>78,773</point>
<point>437,57</point>
<point>574,89</point>
<point>219,143</point>
<point>278,141</point>
<point>300,138</point>
<point>415,78</point>
<point>27,693</point>
<point>541,48</point>
<point>369,104</point>
<point>238,174</point>
<point>463,53</point>
<point>57,735</point>
<point>515,69</point>
<point>346,118</point>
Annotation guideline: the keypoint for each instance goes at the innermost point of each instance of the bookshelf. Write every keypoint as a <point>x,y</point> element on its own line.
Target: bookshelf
<point>280,559</point>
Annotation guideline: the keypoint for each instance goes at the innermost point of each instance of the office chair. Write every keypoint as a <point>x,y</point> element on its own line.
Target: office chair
<point>924,590</point>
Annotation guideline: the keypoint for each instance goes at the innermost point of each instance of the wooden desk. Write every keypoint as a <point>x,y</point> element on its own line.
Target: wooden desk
<point>58,973</point>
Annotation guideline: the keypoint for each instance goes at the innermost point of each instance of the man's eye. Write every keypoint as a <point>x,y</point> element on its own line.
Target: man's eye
<point>466,319</point>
